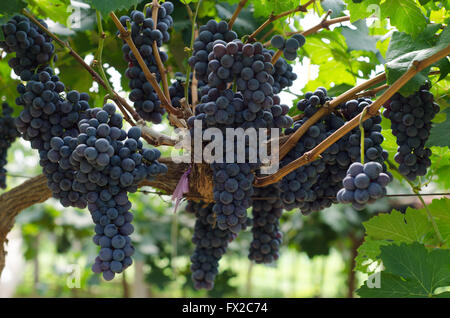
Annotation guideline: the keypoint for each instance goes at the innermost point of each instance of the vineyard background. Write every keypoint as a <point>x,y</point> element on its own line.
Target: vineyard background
<point>319,256</point>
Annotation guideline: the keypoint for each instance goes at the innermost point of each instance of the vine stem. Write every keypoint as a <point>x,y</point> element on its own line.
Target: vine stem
<point>323,24</point>
<point>276,56</point>
<point>302,8</point>
<point>361,128</point>
<point>162,70</point>
<point>372,110</point>
<point>99,63</point>
<point>372,92</point>
<point>191,48</point>
<point>236,13</point>
<point>120,101</point>
<point>416,191</point>
<point>126,36</point>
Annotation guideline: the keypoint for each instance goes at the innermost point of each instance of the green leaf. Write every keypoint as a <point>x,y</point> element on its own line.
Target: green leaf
<point>405,15</point>
<point>245,22</point>
<point>57,10</point>
<point>392,286</point>
<point>339,89</point>
<point>336,6</point>
<point>410,271</point>
<point>368,253</point>
<point>440,133</point>
<point>8,9</point>
<point>362,10</point>
<point>444,68</point>
<point>263,8</point>
<point>359,39</point>
<point>405,56</point>
<point>106,6</point>
<point>411,227</point>
<point>402,43</point>
<point>440,210</point>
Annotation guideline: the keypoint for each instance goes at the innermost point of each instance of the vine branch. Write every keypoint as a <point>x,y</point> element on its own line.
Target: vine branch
<point>324,24</point>
<point>162,70</point>
<point>126,36</point>
<point>326,109</point>
<point>236,13</point>
<point>120,101</point>
<point>191,49</point>
<point>99,64</point>
<point>372,110</point>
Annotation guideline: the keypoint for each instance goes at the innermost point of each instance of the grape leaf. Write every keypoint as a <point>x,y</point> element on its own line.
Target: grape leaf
<point>402,43</point>
<point>359,39</point>
<point>444,68</point>
<point>440,210</point>
<point>440,133</point>
<point>368,253</point>
<point>57,10</point>
<point>336,6</point>
<point>410,271</point>
<point>398,66</point>
<point>264,8</point>
<point>8,9</point>
<point>405,15</point>
<point>106,6</point>
<point>339,89</point>
<point>362,10</point>
<point>393,286</point>
<point>245,22</point>
<point>411,227</point>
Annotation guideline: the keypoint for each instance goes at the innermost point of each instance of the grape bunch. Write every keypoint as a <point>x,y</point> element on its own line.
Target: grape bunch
<point>314,186</point>
<point>8,133</point>
<point>203,45</point>
<point>363,184</point>
<point>46,115</point>
<point>297,187</point>
<point>233,181</point>
<point>227,109</point>
<point>288,46</point>
<point>211,244</point>
<point>233,188</point>
<point>411,124</point>
<point>283,75</point>
<point>176,89</point>
<point>267,237</point>
<point>33,47</point>
<point>145,32</point>
<point>372,133</point>
<point>109,163</point>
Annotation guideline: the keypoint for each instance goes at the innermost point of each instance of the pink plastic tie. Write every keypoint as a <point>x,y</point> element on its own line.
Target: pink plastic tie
<point>181,189</point>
